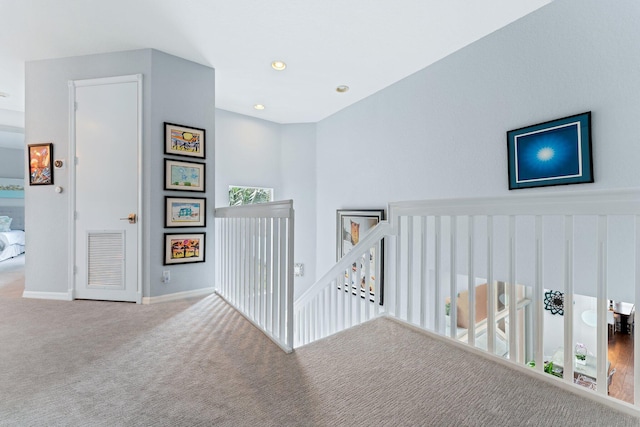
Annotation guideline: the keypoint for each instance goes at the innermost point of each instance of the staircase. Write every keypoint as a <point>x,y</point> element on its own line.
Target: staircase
<point>479,271</point>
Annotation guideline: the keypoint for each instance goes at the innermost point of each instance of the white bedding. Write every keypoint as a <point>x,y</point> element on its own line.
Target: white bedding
<point>11,244</point>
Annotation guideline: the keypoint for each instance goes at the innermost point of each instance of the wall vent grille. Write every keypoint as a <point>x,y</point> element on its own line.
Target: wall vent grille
<point>106,259</point>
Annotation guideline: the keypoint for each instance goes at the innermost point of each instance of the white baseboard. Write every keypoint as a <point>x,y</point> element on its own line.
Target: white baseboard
<point>178,295</point>
<point>60,296</point>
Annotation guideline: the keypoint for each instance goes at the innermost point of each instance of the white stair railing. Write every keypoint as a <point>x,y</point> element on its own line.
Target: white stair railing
<point>508,253</point>
<point>338,301</point>
<point>255,265</point>
<point>441,258</point>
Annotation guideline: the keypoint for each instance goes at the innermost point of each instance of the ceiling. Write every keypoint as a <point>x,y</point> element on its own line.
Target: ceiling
<point>364,44</point>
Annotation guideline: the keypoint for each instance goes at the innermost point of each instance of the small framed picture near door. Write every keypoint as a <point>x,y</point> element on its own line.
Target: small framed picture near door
<point>40,164</point>
<point>184,248</point>
<point>184,141</point>
<point>184,176</point>
<point>185,212</point>
<point>352,227</point>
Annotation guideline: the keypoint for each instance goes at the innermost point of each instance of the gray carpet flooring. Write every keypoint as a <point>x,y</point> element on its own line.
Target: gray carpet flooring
<point>197,362</point>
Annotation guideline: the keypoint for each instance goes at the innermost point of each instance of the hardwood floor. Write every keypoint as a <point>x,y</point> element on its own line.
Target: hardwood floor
<point>620,354</point>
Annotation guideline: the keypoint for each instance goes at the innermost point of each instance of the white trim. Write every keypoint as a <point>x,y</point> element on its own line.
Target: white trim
<point>141,213</point>
<point>178,296</point>
<point>279,209</point>
<point>129,78</point>
<point>59,296</point>
<point>579,143</point>
<point>593,202</point>
<point>71,270</point>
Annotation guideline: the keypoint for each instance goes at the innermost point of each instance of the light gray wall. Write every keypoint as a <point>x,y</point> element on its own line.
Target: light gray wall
<point>12,163</point>
<point>247,154</point>
<point>47,120</point>
<point>180,90</point>
<point>441,132</point>
<point>183,92</point>
<point>260,153</point>
<point>298,173</point>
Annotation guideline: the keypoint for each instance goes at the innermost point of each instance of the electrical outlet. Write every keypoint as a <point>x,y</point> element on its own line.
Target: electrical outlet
<point>298,269</point>
<point>166,276</point>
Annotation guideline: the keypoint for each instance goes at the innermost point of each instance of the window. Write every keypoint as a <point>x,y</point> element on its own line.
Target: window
<point>240,195</point>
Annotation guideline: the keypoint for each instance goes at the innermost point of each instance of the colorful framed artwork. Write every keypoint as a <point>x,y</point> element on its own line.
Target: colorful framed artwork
<point>184,176</point>
<point>184,248</point>
<point>353,226</point>
<point>11,188</point>
<point>40,164</point>
<point>557,152</point>
<point>185,212</point>
<point>184,141</point>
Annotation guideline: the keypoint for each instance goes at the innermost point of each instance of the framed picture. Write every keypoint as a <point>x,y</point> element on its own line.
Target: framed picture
<point>184,248</point>
<point>185,212</point>
<point>353,226</point>
<point>184,141</point>
<point>184,176</point>
<point>551,153</point>
<point>40,164</point>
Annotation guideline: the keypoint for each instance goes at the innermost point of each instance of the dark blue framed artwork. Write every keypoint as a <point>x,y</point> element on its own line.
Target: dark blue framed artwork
<point>557,152</point>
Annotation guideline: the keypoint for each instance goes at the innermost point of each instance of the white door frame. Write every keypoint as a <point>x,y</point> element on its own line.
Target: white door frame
<point>73,84</point>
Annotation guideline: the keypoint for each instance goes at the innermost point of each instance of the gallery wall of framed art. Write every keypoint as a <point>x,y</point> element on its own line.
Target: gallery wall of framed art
<point>182,211</point>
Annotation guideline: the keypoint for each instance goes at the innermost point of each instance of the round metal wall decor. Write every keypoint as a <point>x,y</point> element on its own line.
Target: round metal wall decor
<point>554,302</point>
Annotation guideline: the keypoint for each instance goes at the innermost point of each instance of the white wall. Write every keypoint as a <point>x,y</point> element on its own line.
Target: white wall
<point>259,153</point>
<point>247,153</point>
<point>440,133</point>
<point>298,174</point>
<point>182,91</point>
<point>12,163</point>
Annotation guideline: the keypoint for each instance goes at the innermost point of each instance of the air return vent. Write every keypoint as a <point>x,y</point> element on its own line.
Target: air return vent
<point>106,259</point>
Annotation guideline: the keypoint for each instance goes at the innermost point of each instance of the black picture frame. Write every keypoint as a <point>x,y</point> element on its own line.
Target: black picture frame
<point>184,176</point>
<point>557,152</point>
<point>185,212</point>
<point>184,248</point>
<point>351,226</point>
<point>187,141</point>
<point>40,163</point>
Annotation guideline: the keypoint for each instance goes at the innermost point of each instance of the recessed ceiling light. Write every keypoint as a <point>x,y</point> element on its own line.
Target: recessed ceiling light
<point>259,107</point>
<point>342,88</point>
<point>278,65</point>
<point>4,95</point>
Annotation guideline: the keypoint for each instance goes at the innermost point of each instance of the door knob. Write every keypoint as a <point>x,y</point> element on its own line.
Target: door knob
<point>131,218</point>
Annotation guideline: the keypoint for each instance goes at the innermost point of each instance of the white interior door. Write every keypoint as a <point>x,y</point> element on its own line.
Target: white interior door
<point>107,189</point>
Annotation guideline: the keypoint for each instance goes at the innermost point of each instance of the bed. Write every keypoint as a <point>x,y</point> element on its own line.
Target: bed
<point>12,241</point>
<point>11,244</point>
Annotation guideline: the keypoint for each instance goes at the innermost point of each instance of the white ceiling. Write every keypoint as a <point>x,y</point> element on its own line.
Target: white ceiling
<point>365,44</point>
